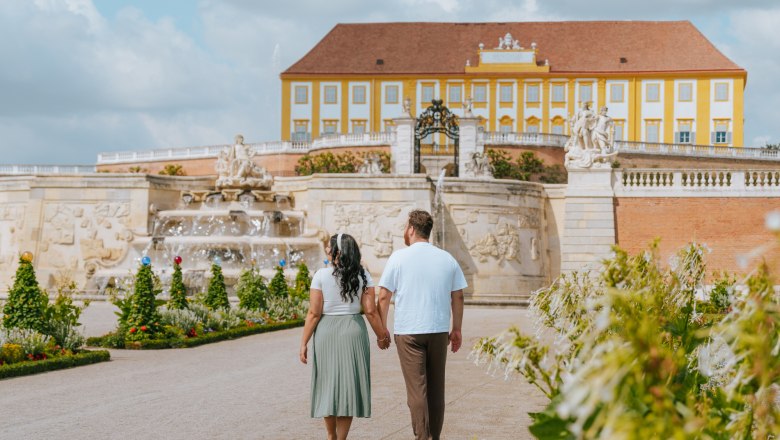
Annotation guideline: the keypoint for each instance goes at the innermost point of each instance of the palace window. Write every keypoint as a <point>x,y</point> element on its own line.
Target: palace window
<point>616,93</point>
<point>301,95</point>
<point>532,125</point>
<point>391,95</point>
<point>301,133</point>
<point>558,93</point>
<point>721,91</point>
<point>358,94</point>
<point>428,93</point>
<point>505,93</point>
<point>620,125</point>
<point>685,92</point>
<point>456,93</point>
<point>480,93</point>
<point>505,125</point>
<point>330,126</point>
<point>721,134</point>
<point>653,92</point>
<point>586,93</point>
<point>358,126</point>
<point>652,130</point>
<point>331,95</point>
<point>532,93</point>
<point>684,133</point>
<point>557,125</point>
<point>389,124</point>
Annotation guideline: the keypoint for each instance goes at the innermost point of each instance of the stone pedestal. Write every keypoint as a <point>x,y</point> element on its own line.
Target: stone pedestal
<point>468,143</point>
<point>402,149</point>
<point>589,222</point>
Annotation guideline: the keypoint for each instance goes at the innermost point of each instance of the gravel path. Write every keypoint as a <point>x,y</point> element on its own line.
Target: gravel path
<point>250,388</point>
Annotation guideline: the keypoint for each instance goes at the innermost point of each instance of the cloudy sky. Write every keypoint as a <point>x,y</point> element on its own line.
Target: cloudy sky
<point>80,77</point>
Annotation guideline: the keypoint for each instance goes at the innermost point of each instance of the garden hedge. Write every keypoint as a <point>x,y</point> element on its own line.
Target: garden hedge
<point>206,338</point>
<point>56,363</point>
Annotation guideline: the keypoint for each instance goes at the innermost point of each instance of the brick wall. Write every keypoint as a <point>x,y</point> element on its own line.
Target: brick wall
<point>729,226</point>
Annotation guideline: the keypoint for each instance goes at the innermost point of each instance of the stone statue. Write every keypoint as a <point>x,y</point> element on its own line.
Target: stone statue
<point>582,125</point>
<point>507,43</point>
<point>371,164</point>
<point>407,107</point>
<point>235,168</point>
<point>468,104</point>
<point>591,141</point>
<point>479,166</point>
<point>604,132</point>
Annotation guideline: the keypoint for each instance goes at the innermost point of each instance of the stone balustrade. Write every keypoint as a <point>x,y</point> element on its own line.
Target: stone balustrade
<point>352,140</point>
<point>520,138</point>
<point>693,183</point>
<point>45,169</point>
<point>484,138</point>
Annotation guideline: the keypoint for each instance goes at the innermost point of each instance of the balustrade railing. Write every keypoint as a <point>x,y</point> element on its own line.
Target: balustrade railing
<point>685,181</point>
<point>484,138</point>
<point>523,138</point>
<point>45,169</point>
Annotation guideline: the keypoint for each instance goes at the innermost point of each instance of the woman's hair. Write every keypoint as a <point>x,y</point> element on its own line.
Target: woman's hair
<point>347,269</point>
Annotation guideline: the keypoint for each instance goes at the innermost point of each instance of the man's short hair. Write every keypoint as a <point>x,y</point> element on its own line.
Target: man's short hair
<point>422,222</point>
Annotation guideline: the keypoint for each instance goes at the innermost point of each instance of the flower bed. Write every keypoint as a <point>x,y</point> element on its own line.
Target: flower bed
<point>24,368</point>
<point>205,338</point>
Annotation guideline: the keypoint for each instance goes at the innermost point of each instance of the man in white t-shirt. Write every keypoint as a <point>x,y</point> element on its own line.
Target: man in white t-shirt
<point>427,283</point>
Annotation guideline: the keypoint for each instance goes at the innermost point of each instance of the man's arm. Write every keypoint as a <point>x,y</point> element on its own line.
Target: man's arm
<point>384,306</point>
<point>456,338</point>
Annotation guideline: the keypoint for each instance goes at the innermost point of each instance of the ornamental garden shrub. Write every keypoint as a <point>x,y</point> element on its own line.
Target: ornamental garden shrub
<point>142,319</point>
<point>26,304</point>
<point>302,282</point>
<point>178,290</point>
<point>216,296</point>
<point>278,287</point>
<point>251,290</point>
<point>346,162</point>
<point>628,354</point>
<point>527,167</point>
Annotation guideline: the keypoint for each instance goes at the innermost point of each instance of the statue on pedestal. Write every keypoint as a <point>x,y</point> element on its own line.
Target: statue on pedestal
<point>592,140</point>
<point>235,168</point>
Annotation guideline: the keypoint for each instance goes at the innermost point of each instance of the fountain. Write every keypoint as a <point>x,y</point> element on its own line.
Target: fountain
<point>240,222</point>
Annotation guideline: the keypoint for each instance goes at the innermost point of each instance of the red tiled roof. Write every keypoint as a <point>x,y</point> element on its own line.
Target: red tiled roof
<point>570,46</point>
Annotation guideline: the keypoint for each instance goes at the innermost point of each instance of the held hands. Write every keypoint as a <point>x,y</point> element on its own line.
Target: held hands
<point>384,342</point>
<point>456,339</point>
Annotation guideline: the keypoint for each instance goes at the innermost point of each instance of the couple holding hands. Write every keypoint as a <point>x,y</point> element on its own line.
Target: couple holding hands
<point>428,284</point>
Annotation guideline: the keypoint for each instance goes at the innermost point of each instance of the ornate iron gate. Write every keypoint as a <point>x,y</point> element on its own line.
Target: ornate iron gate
<point>436,119</point>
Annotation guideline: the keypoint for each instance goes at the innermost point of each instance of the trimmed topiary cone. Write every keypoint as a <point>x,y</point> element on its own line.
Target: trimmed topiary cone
<point>178,299</point>
<point>216,297</point>
<point>26,303</point>
<point>278,286</point>
<point>143,315</point>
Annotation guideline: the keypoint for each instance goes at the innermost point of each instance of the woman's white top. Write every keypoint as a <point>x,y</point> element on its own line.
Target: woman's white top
<point>331,293</point>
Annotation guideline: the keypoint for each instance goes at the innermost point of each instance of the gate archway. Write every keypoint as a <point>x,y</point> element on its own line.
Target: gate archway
<point>436,119</point>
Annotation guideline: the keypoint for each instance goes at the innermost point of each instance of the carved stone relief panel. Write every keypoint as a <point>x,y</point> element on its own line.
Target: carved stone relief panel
<point>497,234</point>
<point>375,226</point>
<point>12,217</point>
<point>90,235</point>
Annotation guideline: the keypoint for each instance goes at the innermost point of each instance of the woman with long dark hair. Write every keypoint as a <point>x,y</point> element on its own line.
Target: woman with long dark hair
<point>340,379</point>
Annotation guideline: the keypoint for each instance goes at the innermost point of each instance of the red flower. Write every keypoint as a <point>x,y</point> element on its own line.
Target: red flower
<point>143,328</point>
<point>295,316</point>
<point>133,330</point>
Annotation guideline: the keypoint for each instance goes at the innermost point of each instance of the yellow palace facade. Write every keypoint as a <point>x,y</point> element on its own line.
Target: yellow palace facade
<point>663,82</point>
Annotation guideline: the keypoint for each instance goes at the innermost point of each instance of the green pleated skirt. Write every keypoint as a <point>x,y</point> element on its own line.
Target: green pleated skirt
<point>341,374</point>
